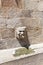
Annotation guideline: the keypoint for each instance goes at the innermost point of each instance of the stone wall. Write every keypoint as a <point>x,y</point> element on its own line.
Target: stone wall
<point>32,60</point>
<point>30,15</point>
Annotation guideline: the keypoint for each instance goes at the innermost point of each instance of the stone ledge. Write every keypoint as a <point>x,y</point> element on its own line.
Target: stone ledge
<point>37,52</point>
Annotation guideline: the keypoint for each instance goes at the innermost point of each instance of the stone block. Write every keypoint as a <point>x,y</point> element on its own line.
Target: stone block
<point>41,22</point>
<point>31,5</point>
<point>33,22</point>
<point>14,22</point>
<point>24,13</point>
<point>3,44</point>
<point>7,33</point>
<point>37,14</point>
<point>40,6</point>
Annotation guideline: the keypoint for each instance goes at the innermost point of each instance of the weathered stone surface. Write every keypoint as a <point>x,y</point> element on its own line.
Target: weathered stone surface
<point>10,3</point>
<point>24,13</point>
<point>8,13</point>
<point>32,60</point>
<point>32,22</point>
<point>40,6</point>
<point>9,43</point>
<point>7,33</point>
<point>7,3</point>
<point>14,22</point>
<point>37,14</point>
<point>31,5</point>
<point>30,16</point>
<point>3,44</point>
<point>41,22</point>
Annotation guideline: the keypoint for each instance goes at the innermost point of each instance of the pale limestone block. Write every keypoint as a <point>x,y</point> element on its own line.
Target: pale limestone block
<point>31,4</point>
<point>40,6</point>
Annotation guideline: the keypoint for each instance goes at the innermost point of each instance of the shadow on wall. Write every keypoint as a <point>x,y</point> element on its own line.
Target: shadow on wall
<point>24,42</point>
<point>19,3</point>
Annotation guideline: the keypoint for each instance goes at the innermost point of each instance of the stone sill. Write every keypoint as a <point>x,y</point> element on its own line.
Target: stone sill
<point>38,48</point>
<point>21,57</point>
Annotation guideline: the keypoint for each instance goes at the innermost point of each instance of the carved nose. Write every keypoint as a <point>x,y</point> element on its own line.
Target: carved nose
<point>21,32</point>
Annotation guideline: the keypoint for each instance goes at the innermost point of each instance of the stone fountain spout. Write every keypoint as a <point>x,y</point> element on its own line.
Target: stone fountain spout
<point>22,36</point>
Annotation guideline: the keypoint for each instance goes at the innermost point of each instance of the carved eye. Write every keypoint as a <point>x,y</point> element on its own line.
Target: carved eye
<point>23,31</point>
<point>20,31</point>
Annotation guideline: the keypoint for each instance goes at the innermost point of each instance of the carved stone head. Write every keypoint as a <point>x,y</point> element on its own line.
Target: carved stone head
<point>20,32</point>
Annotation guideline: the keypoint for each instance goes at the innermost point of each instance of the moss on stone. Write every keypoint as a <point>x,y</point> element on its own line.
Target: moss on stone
<point>23,51</point>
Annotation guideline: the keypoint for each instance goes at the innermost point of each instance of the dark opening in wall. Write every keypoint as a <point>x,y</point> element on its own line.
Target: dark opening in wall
<point>19,3</point>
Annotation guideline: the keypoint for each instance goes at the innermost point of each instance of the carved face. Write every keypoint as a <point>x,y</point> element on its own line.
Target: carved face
<point>20,32</point>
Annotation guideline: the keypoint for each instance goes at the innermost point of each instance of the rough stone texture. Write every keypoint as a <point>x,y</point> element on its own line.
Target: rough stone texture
<point>7,33</point>
<point>33,60</point>
<point>40,6</point>
<point>30,15</point>
<point>10,3</point>
<point>9,43</point>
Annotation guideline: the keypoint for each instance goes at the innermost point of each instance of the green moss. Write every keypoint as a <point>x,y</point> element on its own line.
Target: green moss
<point>23,51</point>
